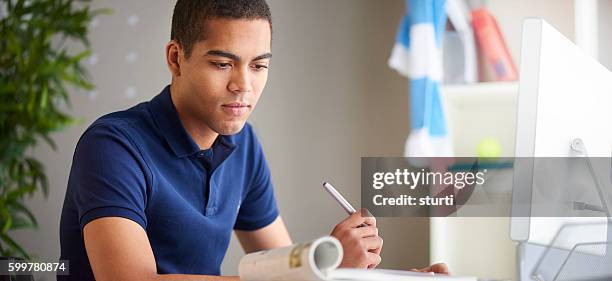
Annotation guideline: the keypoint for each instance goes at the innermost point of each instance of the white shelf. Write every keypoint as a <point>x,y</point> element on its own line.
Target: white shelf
<point>478,111</point>
<point>481,92</point>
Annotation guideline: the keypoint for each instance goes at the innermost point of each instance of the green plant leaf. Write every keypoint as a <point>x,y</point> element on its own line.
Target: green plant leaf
<point>14,246</point>
<point>8,219</point>
<point>23,209</point>
<point>20,223</point>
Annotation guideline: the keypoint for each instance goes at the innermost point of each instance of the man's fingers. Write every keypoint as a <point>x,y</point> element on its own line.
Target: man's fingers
<point>366,231</point>
<point>372,243</point>
<point>352,221</point>
<point>359,218</point>
<point>373,260</point>
<point>441,268</point>
<point>368,218</point>
<point>379,249</point>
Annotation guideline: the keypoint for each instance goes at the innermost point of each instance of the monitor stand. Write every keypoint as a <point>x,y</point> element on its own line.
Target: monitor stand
<point>529,255</point>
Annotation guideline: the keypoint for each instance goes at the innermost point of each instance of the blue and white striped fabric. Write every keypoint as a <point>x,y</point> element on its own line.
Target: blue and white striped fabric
<point>417,54</point>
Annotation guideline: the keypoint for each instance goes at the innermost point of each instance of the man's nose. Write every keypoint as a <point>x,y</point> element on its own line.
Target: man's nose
<point>240,82</point>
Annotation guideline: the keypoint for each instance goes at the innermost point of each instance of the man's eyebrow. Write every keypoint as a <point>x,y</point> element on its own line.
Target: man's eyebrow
<point>223,54</point>
<point>264,56</point>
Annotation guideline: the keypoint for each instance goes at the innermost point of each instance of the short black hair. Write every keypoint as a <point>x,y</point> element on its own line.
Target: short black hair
<point>190,16</point>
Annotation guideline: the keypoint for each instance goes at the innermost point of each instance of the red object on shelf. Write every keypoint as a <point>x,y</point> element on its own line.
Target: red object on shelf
<point>493,46</point>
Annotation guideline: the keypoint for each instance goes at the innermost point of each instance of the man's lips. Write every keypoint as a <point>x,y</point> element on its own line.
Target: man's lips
<point>236,109</point>
<point>236,104</point>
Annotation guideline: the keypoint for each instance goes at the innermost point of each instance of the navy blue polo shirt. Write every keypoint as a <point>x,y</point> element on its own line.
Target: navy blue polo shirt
<point>142,165</point>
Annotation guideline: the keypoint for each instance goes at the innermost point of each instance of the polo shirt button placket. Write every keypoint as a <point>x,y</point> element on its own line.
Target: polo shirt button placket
<point>206,156</point>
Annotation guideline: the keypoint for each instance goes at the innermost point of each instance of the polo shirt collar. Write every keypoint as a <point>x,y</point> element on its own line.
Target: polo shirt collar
<point>165,115</point>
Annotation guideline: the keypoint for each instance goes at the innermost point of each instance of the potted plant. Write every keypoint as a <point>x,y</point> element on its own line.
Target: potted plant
<point>36,72</point>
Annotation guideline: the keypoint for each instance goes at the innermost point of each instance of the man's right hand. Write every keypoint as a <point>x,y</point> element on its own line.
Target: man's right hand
<point>361,244</point>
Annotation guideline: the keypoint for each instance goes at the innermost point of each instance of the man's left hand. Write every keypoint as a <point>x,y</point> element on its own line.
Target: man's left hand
<point>359,238</point>
<point>438,268</point>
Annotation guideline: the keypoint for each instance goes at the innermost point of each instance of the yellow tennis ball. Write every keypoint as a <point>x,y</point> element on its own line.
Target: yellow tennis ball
<point>488,148</point>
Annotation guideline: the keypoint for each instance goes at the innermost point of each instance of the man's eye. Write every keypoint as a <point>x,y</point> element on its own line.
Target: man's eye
<point>222,65</point>
<point>260,66</point>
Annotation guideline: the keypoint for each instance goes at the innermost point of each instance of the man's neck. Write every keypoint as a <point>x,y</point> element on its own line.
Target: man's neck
<point>203,136</point>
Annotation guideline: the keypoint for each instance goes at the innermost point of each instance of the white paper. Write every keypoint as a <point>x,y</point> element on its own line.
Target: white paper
<point>391,275</point>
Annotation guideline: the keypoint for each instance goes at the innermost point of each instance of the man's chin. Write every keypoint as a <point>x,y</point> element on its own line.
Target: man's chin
<point>230,128</point>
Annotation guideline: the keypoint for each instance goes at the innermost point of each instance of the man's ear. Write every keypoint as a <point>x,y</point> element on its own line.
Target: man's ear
<point>174,57</point>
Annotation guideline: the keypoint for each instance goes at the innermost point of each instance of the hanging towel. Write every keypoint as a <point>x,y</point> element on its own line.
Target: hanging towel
<point>417,54</point>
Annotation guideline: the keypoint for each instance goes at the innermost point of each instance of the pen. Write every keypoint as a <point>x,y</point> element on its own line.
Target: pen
<point>339,198</point>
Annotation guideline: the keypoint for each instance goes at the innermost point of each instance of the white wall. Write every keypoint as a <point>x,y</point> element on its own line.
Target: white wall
<point>330,99</point>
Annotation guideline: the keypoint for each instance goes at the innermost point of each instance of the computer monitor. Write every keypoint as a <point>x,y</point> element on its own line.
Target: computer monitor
<point>564,95</point>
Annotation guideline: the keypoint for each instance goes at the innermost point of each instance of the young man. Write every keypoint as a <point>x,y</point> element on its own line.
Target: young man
<point>155,191</point>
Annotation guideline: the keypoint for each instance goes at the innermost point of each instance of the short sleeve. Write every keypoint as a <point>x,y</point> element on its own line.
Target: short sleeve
<point>108,177</point>
<point>258,208</point>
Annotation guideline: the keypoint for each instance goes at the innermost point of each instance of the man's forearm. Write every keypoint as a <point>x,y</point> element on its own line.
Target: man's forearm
<point>177,277</point>
<point>184,277</point>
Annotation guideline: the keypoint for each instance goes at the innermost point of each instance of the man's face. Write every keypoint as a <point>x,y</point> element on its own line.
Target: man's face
<point>223,78</point>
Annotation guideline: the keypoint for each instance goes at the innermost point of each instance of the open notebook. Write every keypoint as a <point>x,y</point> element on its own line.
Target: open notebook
<point>318,260</point>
